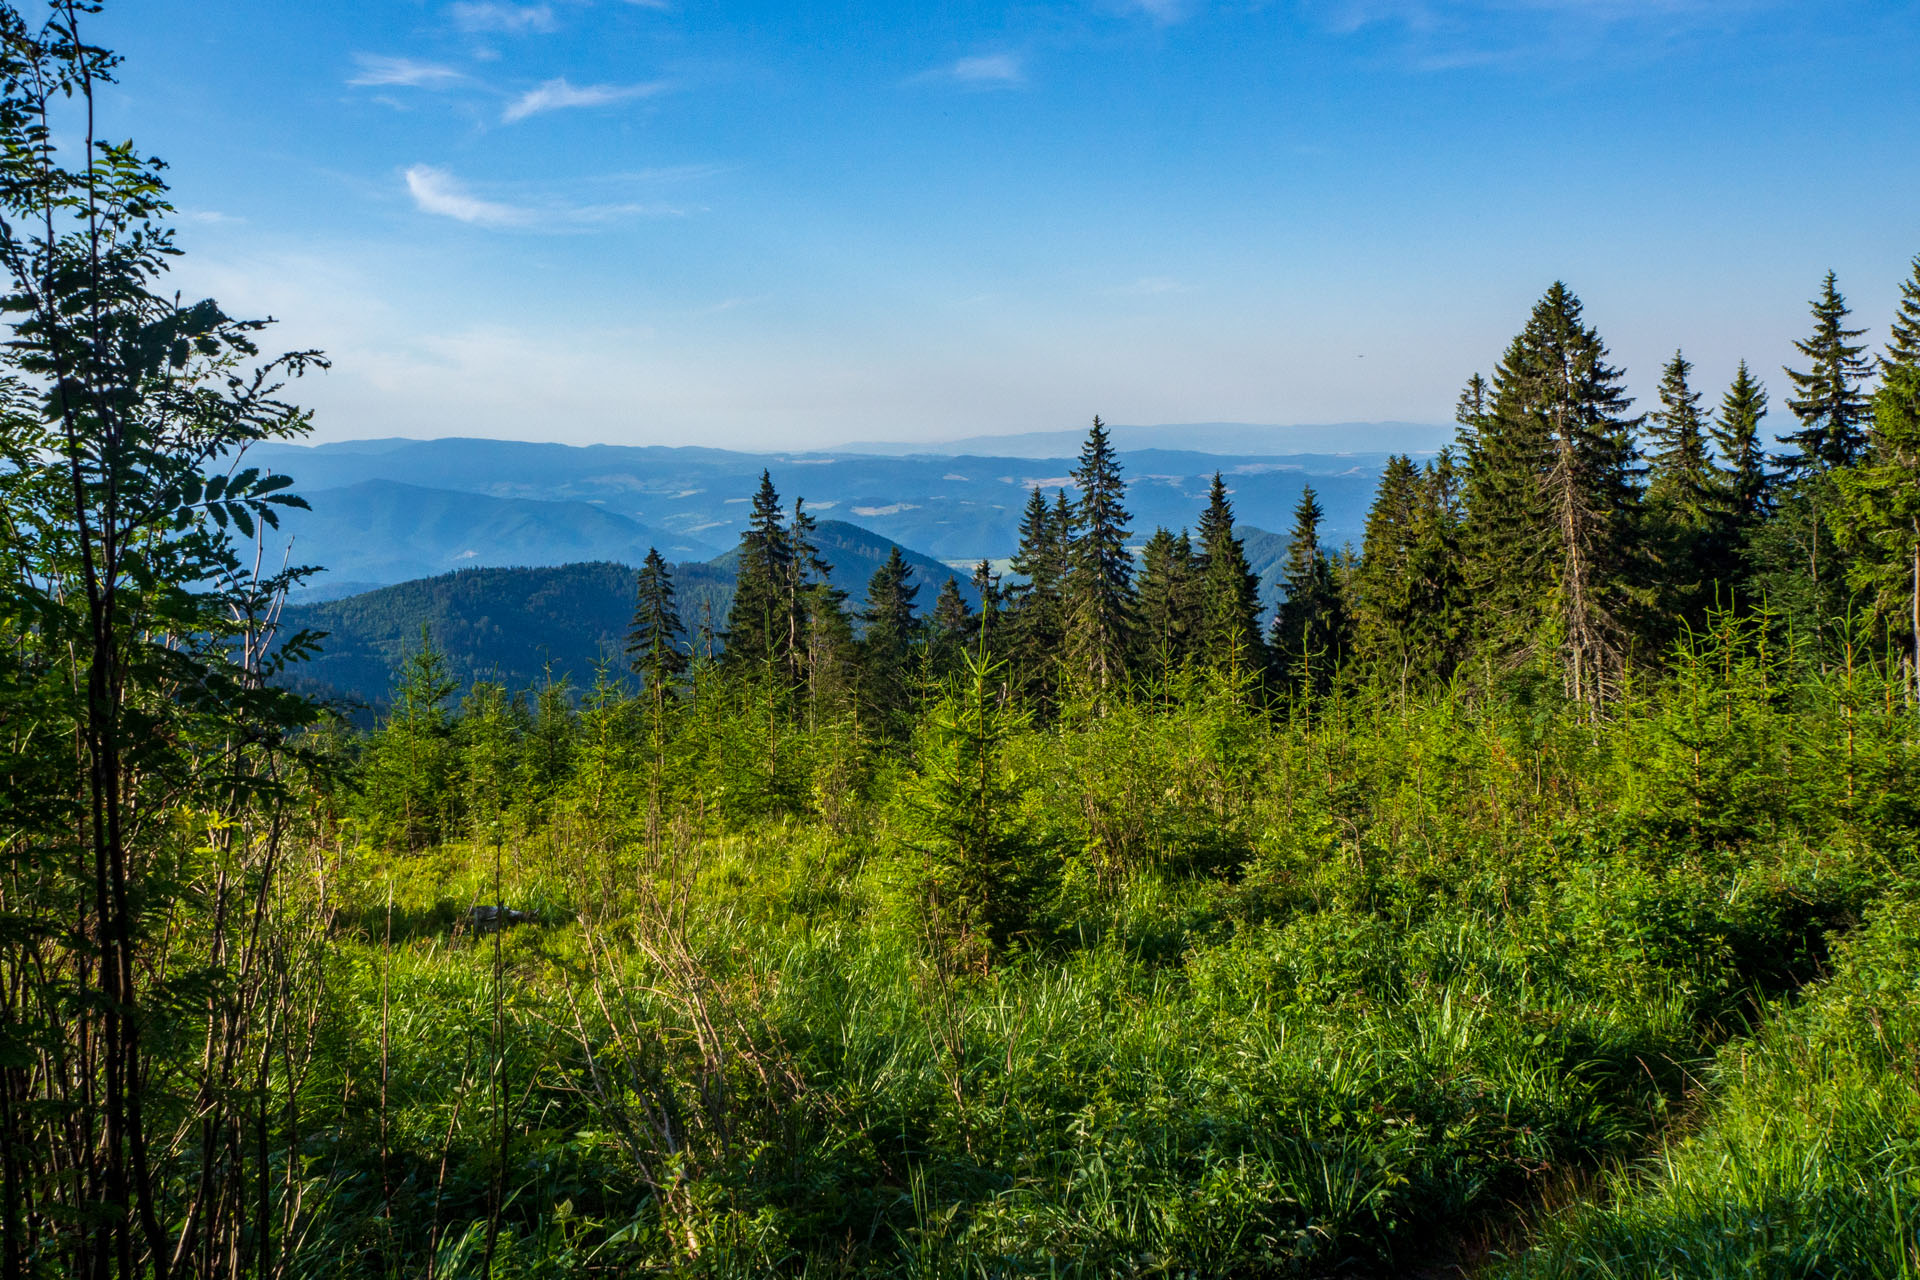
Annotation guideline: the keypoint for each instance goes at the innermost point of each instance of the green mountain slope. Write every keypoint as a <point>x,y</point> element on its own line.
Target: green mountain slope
<point>516,625</point>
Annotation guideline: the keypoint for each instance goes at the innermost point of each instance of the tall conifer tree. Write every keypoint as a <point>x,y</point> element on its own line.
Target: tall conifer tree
<point>1099,594</point>
<point>1228,638</point>
<point>1387,592</point>
<point>986,584</point>
<point>1167,612</point>
<point>1741,480</point>
<point>757,621</point>
<point>1310,626</point>
<point>1878,515</point>
<point>1682,499</point>
<point>1553,502</point>
<point>654,641</point>
<point>1829,401</point>
<point>892,629</point>
<point>950,629</point>
<point>1903,339</point>
<point>1471,412</point>
<point>1037,626</point>
<point>1680,479</point>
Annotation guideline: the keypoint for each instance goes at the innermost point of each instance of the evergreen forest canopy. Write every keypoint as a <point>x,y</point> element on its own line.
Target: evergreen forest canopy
<point>1538,893</point>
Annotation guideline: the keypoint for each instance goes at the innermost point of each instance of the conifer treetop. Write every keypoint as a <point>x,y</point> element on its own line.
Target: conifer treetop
<point>1829,400</point>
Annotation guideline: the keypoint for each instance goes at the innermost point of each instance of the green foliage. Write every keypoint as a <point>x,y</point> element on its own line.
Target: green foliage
<point>655,638</point>
<point>1903,335</point>
<point>1310,628</point>
<point>1169,605</point>
<point>1877,517</point>
<point>982,948</point>
<point>1098,593</point>
<point>963,813</point>
<point>1829,403</point>
<point>1553,527</point>
<point>1228,627</point>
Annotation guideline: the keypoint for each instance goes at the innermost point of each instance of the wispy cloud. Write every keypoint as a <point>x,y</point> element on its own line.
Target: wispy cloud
<point>1465,33</point>
<point>982,71</point>
<point>508,19</point>
<point>1164,12</point>
<point>991,68</point>
<point>377,69</point>
<point>558,95</point>
<point>440,193</point>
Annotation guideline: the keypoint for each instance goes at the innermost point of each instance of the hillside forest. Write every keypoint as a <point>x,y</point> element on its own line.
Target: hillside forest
<point>1536,895</point>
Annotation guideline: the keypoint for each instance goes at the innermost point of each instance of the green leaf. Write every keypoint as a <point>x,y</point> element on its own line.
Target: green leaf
<point>241,519</point>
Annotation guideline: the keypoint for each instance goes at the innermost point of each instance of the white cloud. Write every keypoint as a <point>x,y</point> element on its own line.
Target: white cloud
<point>512,19</point>
<point>991,68</point>
<point>1162,11</point>
<point>377,69</point>
<point>438,192</point>
<point>557,95</point>
<point>982,71</point>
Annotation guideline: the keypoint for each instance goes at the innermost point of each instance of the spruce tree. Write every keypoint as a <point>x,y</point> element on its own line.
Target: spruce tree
<point>805,591</point>
<point>951,616</point>
<point>757,622</point>
<point>1310,627</point>
<point>1829,403</point>
<point>1228,635</point>
<point>832,654</point>
<point>1167,613</point>
<point>653,642</point>
<point>1742,484</point>
<point>1471,412</point>
<point>1553,548</point>
<point>1680,478</point>
<point>950,628</point>
<point>892,629</point>
<point>1036,624</point>
<point>1878,513</point>
<point>986,584</point>
<point>1435,617</point>
<point>1681,500</point>
<point>1099,595</point>
<point>1903,339</point>
<point>1386,593</point>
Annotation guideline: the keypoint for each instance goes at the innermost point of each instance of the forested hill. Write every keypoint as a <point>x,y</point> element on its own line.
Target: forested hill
<point>516,625</point>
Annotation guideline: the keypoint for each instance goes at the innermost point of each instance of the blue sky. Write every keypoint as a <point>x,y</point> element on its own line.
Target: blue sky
<point>790,225</point>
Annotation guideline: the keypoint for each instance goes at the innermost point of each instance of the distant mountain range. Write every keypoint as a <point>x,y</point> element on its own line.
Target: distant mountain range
<point>1240,439</point>
<point>381,531</point>
<point>520,625</point>
<point>391,510</point>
